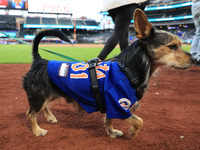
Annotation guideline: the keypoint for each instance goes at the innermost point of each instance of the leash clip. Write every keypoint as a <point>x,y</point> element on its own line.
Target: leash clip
<point>136,106</point>
<point>93,62</point>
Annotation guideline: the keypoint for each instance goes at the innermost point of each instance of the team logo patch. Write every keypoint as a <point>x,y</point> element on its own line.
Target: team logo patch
<point>125,103</point>
<point>63,70</point>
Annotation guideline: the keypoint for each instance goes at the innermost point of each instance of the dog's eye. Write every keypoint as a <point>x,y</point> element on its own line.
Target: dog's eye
<point>173,47</point>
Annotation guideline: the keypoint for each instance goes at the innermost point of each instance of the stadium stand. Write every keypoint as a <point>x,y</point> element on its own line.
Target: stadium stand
<point>91,23</point>
<point>33,20</point>
<point>7,22</point>
<point>170,15</point>
<point>156,15</point>
<point>65,21</point>
<point>51,21</point>
<point>79,22</point>
<point>166,2</point>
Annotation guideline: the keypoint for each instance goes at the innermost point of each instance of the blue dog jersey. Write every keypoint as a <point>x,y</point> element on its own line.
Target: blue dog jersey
<point>74,79</point>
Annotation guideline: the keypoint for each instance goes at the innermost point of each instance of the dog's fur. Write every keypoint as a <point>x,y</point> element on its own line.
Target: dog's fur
<point>153,49</point>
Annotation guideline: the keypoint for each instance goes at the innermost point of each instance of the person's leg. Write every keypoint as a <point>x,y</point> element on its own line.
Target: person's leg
<point>124,41</point>
<point>122,22</point>
<point>195,48</point>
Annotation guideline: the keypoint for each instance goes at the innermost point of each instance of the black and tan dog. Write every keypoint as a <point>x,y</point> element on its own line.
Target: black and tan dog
<point>153,49</point>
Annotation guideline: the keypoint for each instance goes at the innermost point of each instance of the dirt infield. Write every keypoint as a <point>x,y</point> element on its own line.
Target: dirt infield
<point>171,114</point>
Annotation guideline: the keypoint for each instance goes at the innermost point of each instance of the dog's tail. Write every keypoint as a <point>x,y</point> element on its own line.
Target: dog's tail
<point>43,33</point>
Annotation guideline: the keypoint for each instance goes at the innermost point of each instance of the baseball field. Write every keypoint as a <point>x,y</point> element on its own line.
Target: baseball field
<point>170,110</point>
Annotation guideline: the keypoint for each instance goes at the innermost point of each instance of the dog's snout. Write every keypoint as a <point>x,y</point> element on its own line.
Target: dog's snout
<point>193,59</point>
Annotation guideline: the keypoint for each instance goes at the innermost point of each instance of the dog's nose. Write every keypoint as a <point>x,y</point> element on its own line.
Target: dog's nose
<point>193,59</point>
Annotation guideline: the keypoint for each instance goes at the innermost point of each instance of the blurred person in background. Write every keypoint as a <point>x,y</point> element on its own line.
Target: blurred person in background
<point>195,48</point>
<point>121,12</point>
<point>180,34</point>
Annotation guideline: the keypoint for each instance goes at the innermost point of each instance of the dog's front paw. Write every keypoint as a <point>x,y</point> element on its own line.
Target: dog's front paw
<point>40,132</point>
<point>115,133</point>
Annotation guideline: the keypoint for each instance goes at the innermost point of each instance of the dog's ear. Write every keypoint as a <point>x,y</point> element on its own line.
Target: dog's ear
<point>141,24</point>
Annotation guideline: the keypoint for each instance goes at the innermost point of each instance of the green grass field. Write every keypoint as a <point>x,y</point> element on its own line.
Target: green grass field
<point>22,53</point>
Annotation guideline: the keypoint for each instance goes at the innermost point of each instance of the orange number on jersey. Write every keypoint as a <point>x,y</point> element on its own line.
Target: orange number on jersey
<point>79,67</point>
<point>82,67</point>
<point>79,76</point>
<point>100,74</point>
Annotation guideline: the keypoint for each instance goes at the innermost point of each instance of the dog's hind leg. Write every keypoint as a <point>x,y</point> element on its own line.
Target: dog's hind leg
<point>136,123</point>
<point>32,116</point>
<point>36,105</point>
<point>47,113</point>
<point>113,133</point>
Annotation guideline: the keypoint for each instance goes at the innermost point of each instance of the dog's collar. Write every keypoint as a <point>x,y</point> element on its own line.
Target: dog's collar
<point>134,79</point>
